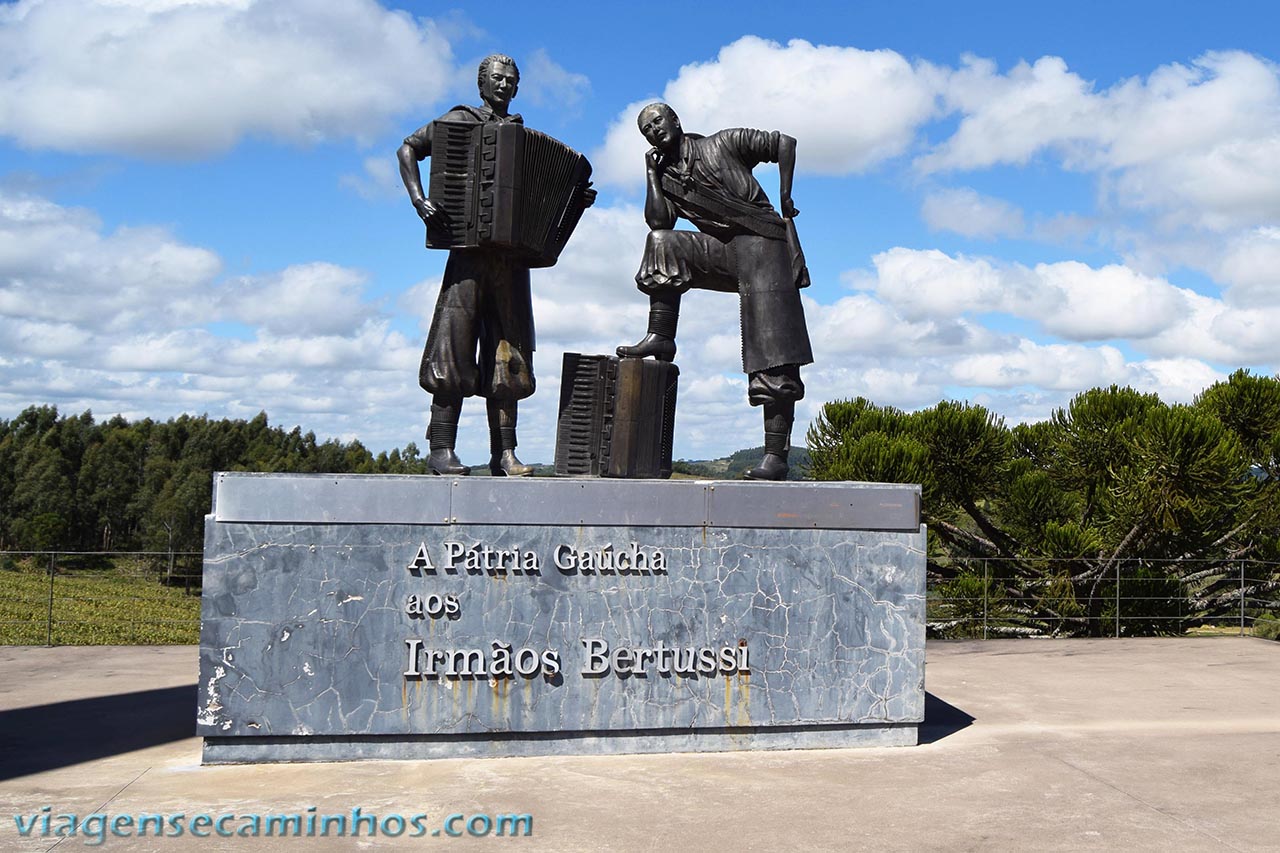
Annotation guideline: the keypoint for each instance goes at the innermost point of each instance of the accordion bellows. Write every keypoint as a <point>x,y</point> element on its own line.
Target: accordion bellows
<point>506,187</point>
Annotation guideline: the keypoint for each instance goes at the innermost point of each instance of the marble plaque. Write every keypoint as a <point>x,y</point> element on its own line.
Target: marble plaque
<point>496,617</point>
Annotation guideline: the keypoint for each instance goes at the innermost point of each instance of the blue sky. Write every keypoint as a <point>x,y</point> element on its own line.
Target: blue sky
<point>1000,202</point>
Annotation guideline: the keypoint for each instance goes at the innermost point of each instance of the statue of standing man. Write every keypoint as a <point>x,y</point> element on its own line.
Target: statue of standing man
<point>481,339</point>
<point>742,246</point>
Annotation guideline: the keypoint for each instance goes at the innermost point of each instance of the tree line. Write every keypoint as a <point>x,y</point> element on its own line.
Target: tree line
<point>1042,521</point>
<point>69,482</point>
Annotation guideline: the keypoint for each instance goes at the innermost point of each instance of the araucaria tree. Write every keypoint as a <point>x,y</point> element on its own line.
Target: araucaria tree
<point>1040,522</point>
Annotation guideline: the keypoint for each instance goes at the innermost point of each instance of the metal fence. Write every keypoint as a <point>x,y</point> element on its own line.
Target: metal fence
<point>990,598</point>
<point>99,597</point>
<point>153,597</point>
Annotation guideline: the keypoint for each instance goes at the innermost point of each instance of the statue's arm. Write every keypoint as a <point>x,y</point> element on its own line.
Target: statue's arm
<point>409,156</point>
<point>657,210</point>
<point>786,171</point>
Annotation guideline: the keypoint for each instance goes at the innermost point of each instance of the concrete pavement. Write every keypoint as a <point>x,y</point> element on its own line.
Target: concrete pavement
<point>1134,744</point>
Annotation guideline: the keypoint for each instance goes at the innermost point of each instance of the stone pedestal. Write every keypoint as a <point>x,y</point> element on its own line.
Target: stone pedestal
<point>415,617</point>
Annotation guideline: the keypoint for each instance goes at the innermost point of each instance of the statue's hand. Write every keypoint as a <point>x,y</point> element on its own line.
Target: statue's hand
<point>653,161</point>
<point>588,196</point>
<point>432,214</point>
<point>789,210</point>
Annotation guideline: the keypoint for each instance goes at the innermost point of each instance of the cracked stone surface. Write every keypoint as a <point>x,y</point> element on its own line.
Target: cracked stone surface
<point>304,629</point>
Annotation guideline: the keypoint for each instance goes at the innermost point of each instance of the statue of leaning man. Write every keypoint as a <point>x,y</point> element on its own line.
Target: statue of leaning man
<point>742,246</point>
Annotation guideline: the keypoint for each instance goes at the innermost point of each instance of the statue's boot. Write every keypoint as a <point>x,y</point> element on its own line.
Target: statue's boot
<point>660,342</point>
<point>778,418</point>
<point>502,441</point>
<point>442,437</point>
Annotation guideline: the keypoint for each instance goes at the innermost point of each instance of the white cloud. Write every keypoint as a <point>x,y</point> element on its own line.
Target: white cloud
<point>1221,333</point>
<point>1068,299</point>
<point>118,322</point>
<point>303,299</point>
<point>905,383</point>
<point>1249,334</point>
<point>1176,380</point>
<point>1250,267</point>
<point>754,82</point>
<point>1009,118</point>
<point>1186,160</point>
<point>930,283</point>
<point>192,78</point>
<point>1061,367</point>
<point>592,291</point>
<point>968,213</point>
<point>1063,228</point>
<point>1197,144</point>
<point>378,179</point>
<point>41,339</point>
<point>1082,303</point>
<point>863,325</point>
<point>1169,340</point>
<point>178,351</point>
<point>371,347</point>
<point>57,265</point>
<point>545,83</point>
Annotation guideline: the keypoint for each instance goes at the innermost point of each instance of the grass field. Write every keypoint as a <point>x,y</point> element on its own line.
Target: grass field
<point>117,603</point>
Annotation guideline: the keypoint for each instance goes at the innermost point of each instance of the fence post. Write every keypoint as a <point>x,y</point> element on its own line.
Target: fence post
<point>1117,598</point>
<point>986,594</point>
<point>49,618</point>
<point>1242,598</point>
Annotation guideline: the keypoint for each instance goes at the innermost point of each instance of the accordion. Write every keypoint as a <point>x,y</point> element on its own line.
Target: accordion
<point>505,187</point>
<point>617,417</point>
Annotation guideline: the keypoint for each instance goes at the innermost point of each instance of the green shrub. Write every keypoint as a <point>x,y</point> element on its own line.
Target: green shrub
<point>967,606</point>
<point>1267,626</point>
<point>1152,604</point>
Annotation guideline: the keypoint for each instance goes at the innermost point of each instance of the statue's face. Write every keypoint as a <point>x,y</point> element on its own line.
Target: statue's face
<point>500,85</point>
<point>660,127</point>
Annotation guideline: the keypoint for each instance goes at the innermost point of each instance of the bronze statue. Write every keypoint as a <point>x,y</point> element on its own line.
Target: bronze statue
<point>742,245</point>
<point>484,303</point>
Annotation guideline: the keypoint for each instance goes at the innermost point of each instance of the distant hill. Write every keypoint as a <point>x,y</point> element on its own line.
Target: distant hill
<point>735,465</point>
<point>731,467</point>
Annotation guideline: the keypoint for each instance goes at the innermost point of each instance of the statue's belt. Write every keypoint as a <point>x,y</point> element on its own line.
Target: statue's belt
<point>761,222</point>
<point>758,221</point>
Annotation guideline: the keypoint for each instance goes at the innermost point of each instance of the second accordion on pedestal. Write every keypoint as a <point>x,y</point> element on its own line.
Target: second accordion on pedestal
<point>617,417</point>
